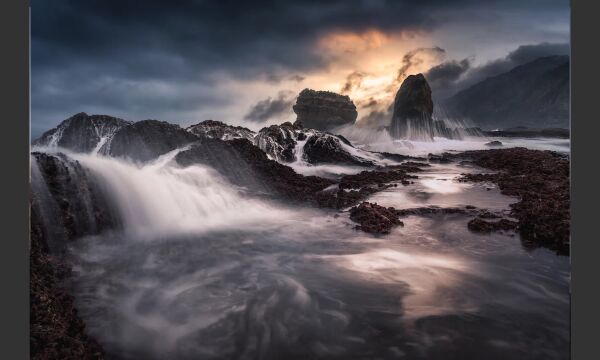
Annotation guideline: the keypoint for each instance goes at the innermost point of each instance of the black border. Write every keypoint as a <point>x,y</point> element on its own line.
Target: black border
<point>14,149</point>
<point>585,297</point>
<point>14,146</point>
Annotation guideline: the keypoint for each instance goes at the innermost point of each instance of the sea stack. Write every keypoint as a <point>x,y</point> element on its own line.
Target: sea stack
<point>413,110</point>
<point>324,110</point>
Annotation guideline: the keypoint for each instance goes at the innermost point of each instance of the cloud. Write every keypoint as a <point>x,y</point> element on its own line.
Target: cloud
<point>416,58</point>
<point>297,78</point>
<point>270,108</point>
<point>447,72</point>
<point>450,77</point>
<point>353,81</point>
<point>111,56</point>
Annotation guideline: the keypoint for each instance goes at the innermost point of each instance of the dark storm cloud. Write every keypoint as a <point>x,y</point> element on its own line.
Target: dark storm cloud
<point>126,55</point>
<point>270,108</point>
<point>447,72</point>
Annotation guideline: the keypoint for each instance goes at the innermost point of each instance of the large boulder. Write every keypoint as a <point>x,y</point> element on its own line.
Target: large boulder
<point>219,130</point>
<point>323,148</point>
<point>82,132</point>
<point>324,110</point>
<point>146,140</point>
<point>288,143</point>
<point>413,110</point>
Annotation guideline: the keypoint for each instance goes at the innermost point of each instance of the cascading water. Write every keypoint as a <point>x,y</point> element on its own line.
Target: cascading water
<point>162,198</point>
<point>230,276</point>
<point>148,200</point>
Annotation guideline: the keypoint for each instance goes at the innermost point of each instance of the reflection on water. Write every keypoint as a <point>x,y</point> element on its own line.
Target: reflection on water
<point>438,186</point>
<point>306,285</point>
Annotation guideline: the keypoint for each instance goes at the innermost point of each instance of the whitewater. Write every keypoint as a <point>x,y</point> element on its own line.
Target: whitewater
<point>201,269</point>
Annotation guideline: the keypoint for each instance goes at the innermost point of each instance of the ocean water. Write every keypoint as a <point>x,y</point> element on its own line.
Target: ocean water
<point>202,271</point>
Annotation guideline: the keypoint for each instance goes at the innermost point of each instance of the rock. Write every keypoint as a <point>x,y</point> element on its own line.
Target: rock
<point>283,143</point>
<point>494,143</point>
<point>246,165</point>
<point>374,218</point>
<point>540,179</point>
<point>413,110</point>
<point>322,148</point>
<point>383,176</point>
<point>146,140</point>
<point>82,132</point>
<point>480,225</point>
<point>435,210</point>
<point>324,110</point>
<point>219,130</point>
<point>444,158</point>
<point>55,329</point>
<point>279,141</point>
<point>72,204</point>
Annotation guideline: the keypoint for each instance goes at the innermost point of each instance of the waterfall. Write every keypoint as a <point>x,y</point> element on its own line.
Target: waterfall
<point>148,200</point>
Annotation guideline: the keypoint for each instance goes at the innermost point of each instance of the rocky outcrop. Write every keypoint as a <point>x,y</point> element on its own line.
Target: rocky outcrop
<point>56,330</point>
<point>485,226</point>
<point>219,130</point>
<point>145,140</point>
<point>324,110</point>
<point>413,110</point>
<point>494,143</point>
<point>374,218</point>
<point>322,148</point>
<point>279,141</point>
<point>69,202</point>
<point>288,142</point>
<point>246,165</point>
<point>540,179</point>
<point>82,132</point>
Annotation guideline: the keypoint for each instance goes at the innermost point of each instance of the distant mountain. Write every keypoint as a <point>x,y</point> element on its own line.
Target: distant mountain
<point>534,94</point>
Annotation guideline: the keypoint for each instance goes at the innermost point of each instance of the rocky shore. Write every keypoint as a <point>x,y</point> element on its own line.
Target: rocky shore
<point>56,330</point>
<point>541,181</point>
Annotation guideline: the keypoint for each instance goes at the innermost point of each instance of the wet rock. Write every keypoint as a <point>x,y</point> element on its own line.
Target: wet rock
<point>494,143</point>
<point>435,210</point>
<point>81,132</point>
<point>146,140</point>
<point>324,110</point>
<point>365,178</point>
<point>397,157</point>
<point>483,226</point>
<point>246,165</point>
<point>55,329</point>
<point>540,179</point>
<point>72,203</point>
<point>374,218</point>
<point>443,158</point>
<point>321,148</point>
<point>413,110</point>
<point>219,130</point>
<point>279,141</point>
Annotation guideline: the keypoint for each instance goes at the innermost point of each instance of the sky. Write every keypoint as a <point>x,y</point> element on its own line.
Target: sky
<point>244,62</point>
